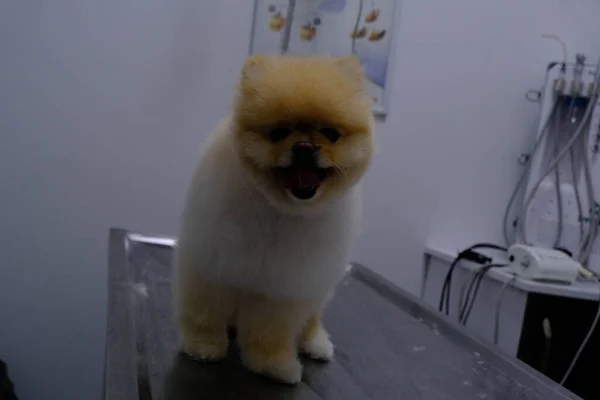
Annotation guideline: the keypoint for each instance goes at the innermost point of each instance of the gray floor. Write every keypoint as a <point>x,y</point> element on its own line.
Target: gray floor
<point>387,347</point>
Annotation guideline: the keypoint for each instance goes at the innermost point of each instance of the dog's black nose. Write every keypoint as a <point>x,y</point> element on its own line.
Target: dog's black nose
<point>304,154</point>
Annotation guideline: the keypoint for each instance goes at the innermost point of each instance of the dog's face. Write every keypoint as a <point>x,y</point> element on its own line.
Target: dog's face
<point>303,127</point>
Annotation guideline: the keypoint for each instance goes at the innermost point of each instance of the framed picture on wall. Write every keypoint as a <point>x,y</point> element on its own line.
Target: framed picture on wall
<point>334,27</point>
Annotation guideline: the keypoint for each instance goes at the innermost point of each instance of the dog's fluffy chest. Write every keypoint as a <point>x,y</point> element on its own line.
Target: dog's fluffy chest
<point>237,239</point>
<point>278,255</point>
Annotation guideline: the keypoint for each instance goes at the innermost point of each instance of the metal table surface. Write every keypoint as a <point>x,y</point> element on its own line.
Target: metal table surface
<point>388,346</point>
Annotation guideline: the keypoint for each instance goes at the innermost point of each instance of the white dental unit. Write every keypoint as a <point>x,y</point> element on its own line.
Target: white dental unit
<point>547,269</point>
<point>562,177</point>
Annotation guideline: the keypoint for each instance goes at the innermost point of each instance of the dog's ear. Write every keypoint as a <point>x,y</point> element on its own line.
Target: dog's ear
<point>254,67</point>
<point>350,65</point>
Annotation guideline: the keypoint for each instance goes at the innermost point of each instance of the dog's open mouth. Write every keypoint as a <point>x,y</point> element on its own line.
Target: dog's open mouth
<point>302,182</point>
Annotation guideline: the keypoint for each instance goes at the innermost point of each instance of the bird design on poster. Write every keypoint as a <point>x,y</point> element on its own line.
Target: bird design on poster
<point>372,16</point>
<point>359,33</point>
<point>362,32</point>
<point>308,31</point>
<point>376,36</point>
<point>277,20</point>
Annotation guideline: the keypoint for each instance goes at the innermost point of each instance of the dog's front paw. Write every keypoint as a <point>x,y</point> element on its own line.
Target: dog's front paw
<point>284,368</point>
<point>318,346</point>
<point>202,349</point>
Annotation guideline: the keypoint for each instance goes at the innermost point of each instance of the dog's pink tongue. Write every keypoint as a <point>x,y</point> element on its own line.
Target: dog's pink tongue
<point>299,178</point>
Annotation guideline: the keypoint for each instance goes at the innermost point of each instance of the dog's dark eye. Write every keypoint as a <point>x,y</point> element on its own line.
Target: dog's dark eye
<point>331,133</point>
<point>277,134</point>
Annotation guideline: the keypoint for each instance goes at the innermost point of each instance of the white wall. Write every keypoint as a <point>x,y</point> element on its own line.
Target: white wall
<point>458,120</point>
<point>103,106</point>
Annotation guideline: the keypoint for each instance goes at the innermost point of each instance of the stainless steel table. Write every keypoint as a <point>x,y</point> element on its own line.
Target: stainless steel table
<point>389,345</point>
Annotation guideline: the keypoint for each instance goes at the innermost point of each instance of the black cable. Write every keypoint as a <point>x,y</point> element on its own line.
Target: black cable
<point>467,298</point>
<point>470,255</point>
<point>467,254</point>
<point>469,302</point>
<point>447,282</point>
<point>472,290</point>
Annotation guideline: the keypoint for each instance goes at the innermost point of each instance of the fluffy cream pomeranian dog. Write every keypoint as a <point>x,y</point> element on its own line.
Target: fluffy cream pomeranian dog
<point>272,212</point>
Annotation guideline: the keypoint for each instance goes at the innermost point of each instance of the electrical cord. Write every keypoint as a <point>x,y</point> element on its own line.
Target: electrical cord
<point>445,294</point>
<point>467,287</point>
<point>553,164</point>
<point>525,172</point>
<point>498,307</point>
<point>587,243</point>
<point>582,346</point>
<point>574,177</point>
<point>555,111</point>
<point>467,254</point>
<point>562,44</point>
<point>476,283</point>
<point>470,301</point>
<point>467,311</point>
<point>559,205</point>
<point>587,246</point>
